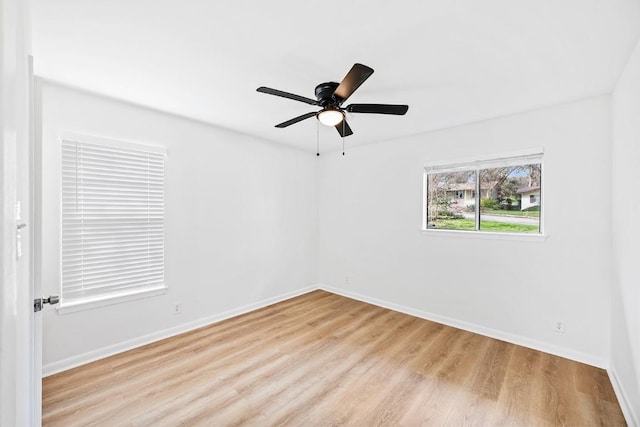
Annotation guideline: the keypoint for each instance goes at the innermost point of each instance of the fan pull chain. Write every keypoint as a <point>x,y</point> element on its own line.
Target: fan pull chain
<point>344,121</point>
<point>317,138</point>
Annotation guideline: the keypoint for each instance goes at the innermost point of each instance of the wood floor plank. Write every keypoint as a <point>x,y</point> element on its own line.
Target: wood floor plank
<point>322,359</point>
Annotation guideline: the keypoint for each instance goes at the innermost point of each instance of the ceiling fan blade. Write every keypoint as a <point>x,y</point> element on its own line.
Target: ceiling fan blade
<point>344,131</point>
<point>352,81</point>
<point>399,110</point>
<point>296,120</point>
<point>288,95</point>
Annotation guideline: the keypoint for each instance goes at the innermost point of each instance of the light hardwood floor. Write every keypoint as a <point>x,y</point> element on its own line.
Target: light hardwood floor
<point>322,359</point>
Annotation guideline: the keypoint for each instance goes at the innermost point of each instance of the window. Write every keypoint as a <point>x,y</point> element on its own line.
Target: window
<point>112,221</point>
<point>505,197</point>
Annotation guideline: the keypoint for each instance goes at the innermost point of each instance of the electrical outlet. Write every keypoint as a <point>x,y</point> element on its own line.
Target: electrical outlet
<point>558,326</point>
<point>177,308</point>
<point>347,279</point>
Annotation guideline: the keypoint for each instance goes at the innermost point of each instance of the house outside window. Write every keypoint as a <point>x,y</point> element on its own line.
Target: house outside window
<point>530,197</point>
<point>503,195</point>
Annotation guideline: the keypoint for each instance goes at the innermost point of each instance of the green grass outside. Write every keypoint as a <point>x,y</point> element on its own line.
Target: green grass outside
<point>455,224</point>
<point>469,224</point>
<point>531,214</point>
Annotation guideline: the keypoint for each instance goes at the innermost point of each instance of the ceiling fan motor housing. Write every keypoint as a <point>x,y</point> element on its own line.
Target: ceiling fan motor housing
<point>324,94</point>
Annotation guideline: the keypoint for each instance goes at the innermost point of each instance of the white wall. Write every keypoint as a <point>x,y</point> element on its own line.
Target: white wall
<point>241,224</point>
<point>625,331</point>
<point>370,229</point>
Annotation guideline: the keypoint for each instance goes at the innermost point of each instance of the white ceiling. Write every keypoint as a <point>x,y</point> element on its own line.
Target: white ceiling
<point>452,61</point>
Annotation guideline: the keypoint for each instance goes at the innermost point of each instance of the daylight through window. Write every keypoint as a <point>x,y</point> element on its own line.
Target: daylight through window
<point>502,195</point>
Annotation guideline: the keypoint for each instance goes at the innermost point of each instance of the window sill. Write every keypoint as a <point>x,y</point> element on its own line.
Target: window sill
<point>487,235</point>
<point>95,302</point>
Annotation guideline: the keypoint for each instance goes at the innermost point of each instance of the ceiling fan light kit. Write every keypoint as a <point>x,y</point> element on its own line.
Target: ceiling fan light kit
<point>330,117</point>
<point>331,95</point>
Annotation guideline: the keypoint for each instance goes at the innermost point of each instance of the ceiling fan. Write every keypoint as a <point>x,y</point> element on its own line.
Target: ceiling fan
<point>331,95</point>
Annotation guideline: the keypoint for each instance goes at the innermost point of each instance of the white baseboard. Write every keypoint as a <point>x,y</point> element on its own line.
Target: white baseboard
<point>471,327</point>
<point>627,410</point>
<point>101,353</point>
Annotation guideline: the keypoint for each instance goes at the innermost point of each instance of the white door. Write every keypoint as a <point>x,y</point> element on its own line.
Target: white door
<point>16,294</point>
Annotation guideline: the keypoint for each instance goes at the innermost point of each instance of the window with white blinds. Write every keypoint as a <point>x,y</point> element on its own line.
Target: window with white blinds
<point>112,220</point>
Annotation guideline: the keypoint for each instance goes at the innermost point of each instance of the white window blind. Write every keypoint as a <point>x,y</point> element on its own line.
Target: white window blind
<point>485,164</point>
<point>112,220</point>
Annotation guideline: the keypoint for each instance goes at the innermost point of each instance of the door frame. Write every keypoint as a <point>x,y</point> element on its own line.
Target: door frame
<point>35,192</point>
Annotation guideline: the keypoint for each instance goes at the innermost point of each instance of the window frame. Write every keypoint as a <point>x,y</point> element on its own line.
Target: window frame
<point>74,305</point>
<point>523,157</point>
